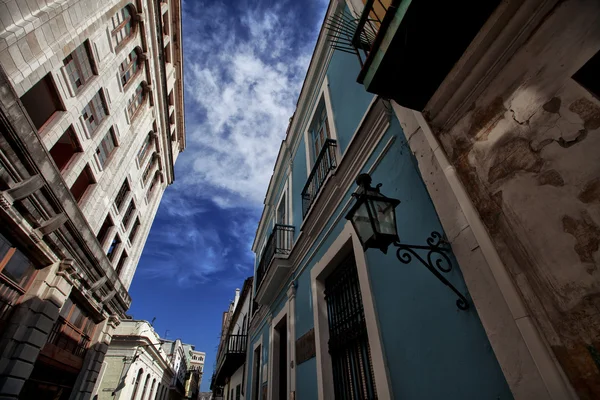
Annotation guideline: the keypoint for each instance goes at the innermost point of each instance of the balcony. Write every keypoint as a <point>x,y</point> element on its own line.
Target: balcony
<point>232,356</point>
<point>324,164</point>
<point>273,263</point>
<point>66,344</point>
<point>406,48</point>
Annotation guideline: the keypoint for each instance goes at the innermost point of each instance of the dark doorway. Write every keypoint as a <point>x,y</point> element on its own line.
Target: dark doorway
<point>280,391</point>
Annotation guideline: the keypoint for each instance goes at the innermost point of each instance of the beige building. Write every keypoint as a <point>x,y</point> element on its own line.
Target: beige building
<point>135,366</point>
<point>91,117</point>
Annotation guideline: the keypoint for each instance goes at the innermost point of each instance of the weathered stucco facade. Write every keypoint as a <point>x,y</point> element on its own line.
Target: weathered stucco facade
<point>508,148</point>
<point>91,113</point>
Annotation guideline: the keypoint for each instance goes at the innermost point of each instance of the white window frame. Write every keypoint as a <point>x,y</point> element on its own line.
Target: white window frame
<point>273,388</point>
<point>323,94</point>
<point>346,242</point>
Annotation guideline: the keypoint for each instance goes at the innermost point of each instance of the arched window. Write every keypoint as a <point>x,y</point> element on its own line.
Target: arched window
<point>152,389</point>
<point>136,383</point>
<point>136,101</point>
<point>130,65</point>
<point>123,26</point>
<point>145,386</point>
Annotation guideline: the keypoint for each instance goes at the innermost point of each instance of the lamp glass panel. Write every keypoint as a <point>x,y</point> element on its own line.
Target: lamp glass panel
<point>385,216</point>
<point>362,223</point>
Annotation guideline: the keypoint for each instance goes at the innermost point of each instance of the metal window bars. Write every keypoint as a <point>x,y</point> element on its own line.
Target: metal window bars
<point>279,242</point>
<point>324,163</point>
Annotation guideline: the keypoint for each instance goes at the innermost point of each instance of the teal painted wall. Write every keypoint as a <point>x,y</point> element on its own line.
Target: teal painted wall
<point>432,349</point>
<point>349,99</point>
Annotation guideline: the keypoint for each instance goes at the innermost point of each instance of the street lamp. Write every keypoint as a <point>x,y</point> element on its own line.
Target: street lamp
<point>374,219</point>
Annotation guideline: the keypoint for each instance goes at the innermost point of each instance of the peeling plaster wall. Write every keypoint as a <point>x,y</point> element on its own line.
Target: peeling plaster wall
<point>528,153</point>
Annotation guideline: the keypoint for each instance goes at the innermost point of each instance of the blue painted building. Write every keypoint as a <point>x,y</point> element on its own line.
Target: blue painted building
<point>332,320</point>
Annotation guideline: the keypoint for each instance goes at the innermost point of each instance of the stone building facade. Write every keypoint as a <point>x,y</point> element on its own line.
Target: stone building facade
<point>135,366</point>
<point>91,116</point>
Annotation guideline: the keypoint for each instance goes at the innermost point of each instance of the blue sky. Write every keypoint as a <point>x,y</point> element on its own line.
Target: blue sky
<point>244,63</point>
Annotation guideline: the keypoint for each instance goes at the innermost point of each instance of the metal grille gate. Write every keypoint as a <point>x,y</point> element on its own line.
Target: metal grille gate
<point>353,376</point>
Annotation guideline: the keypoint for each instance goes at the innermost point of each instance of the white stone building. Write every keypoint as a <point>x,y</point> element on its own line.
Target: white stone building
<point>135,365</point>
<point>91,122</point>
<point>228,379</point>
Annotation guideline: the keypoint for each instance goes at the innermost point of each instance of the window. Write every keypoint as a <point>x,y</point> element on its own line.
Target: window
<point>106,147</point>
<point>166,24</point>
<point>65,148</point>
<point>129,67</point>
<point>281,217</point>
<point>147,170</point>
<point>16,272</point>
<point>136,383</point>
<point>145,386</point>
<point>152,186</point>
<point>588,76</point>
<point>134,230</point>
<point>121,194</point>
<point>128,213</point>
<point>319,130</point>
<point>113,247</point>
<point>135,102</point>
<point>121,262</point>
<point>82,183</point>
<point>42,101</point>
<point>321,152</point>
<point>348,340</point>
<point>94,112</point>
<point>79,66</point>
<point>143,152</point>
<point>106,225</point>
<point>122,27</point>
<point>167,53</point>
<point>73,330</point>
<point>238,392</point>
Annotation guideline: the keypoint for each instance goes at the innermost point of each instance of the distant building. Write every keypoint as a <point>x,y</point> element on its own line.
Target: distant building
<point>228,380</point>
<point>91,124</point>
<point>205,396</point>
<point>195,365</point>
<point>177,356</point>
<point>136,366</point>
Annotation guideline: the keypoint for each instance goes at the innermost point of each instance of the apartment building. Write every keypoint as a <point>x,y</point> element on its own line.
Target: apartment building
<point>229,376</point>
<point>135,366</point>
<point>92,121</point>
<point>431,226</point>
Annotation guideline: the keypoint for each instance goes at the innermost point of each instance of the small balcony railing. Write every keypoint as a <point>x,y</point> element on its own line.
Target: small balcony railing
<point>232,354</point>
<point>360,36</point>
<point>68,338</point>
<point>324,163</point>
<point>279,242</point>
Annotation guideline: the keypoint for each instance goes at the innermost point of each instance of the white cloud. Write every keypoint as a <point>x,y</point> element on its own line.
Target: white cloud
<point>244,73</point>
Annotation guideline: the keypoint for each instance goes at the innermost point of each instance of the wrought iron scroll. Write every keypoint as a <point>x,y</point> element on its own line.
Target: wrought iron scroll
<point>436,261</point>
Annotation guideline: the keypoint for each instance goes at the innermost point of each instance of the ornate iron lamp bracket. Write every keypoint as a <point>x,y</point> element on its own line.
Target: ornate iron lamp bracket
<point>436,261</point>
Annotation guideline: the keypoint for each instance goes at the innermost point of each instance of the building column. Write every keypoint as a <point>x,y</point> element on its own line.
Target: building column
<point>29,327</point>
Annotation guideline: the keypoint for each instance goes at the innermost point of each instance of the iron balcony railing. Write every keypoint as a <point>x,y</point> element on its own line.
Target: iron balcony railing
<point>360,36</point>
<point>67,337</point>
<point>324,163</point>
<point>279,242</point>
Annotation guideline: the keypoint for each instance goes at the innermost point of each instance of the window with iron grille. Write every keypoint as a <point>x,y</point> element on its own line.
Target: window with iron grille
<point>129,67</point>
<point>136,101</point>
<point>106,147</point>
<point>128,213</point>
<point>353,376</point>
<point>143,152</point>
<point>79,66</point>
<point>94,112</point>
<point>121,194</point>
<point>122,26</point>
